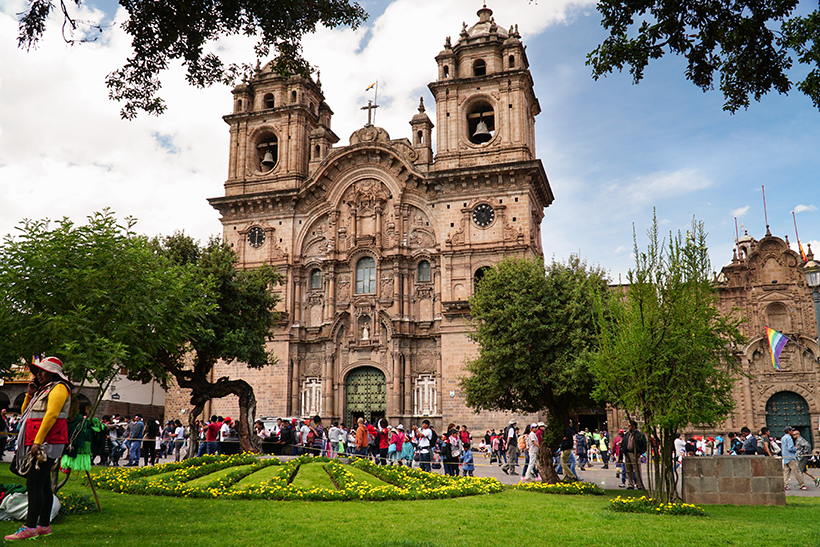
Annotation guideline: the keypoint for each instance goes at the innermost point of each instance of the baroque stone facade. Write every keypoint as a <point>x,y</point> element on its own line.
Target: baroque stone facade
<point>765,285</point>
<point>381,241</point>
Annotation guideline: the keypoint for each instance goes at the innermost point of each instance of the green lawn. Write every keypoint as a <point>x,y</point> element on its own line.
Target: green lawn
<point>508,518</point>
<point>263,475</point>
<point>208,479</point>
<point>365,477</point>
<point>313,475</point>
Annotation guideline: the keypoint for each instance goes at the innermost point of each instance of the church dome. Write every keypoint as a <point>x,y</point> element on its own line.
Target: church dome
<point>485,28</point>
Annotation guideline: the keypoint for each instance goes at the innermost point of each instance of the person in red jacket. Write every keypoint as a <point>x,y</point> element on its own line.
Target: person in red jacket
<point>43,435</point>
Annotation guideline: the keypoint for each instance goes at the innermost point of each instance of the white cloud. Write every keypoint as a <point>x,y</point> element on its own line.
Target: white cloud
<point>740,212</point>
<point>660,185</point>
<point>801,208</point>
<point>64,151</point>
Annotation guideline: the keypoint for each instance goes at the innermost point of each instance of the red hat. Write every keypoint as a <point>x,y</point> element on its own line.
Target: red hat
<point>228,419</point>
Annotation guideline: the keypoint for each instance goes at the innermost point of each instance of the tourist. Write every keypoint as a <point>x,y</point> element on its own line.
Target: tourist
<point>465,435</point>
<point>467,464</point>
<point>178,436</point>
<point>382,442</point>
<point>43,435</point>
<point>135,441</point>
<point>735,444</point>
<point>362,439</point>
<point>149,441</point>
<point>407,449</point>
<point>603,447</point>
<point>749,447</point>
<point>633,445</point>
<point>566,450</point>
<point>316,436</point>
<point>719,445</point>
<point>511,438</point>
<point>789,451</point>
<point>803,452</point>
<point>532,453</point>
<point>764,443</point>
<point>333,435</point>
<point>425,438</point>
<point>581,450</point>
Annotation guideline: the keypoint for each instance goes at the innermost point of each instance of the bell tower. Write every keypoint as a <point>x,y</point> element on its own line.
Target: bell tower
<point>280,132</point>
<point>485,104</point>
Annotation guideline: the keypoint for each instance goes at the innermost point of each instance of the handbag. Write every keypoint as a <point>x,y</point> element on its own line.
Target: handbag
<point>392,448</point>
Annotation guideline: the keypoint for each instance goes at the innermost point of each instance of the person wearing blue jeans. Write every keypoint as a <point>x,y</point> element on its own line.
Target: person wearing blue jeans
<point>136,442</point>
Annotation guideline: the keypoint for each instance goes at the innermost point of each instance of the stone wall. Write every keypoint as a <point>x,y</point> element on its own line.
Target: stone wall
<point>733,480</point>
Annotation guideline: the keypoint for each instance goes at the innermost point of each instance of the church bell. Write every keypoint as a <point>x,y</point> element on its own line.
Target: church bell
<point>268,161</point>
<point>482,134</point>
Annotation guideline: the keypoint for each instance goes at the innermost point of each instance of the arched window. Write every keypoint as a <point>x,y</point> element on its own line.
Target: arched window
<point>446,71</point>
<point>424,272</point>
<point>479,275</point>
<point>512,61</point>
<point>293,96</point>
<point>316,279</point>
<point>366,276</point>
<point>479,68</point>
<point>267,149</point>
<point>480,123</point>
<point>269,100</point>
<point>420,138</point>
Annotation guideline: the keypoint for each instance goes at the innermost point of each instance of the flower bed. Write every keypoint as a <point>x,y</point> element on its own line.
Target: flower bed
<point>576,487</point>
<point>653,506</point>
<point>402,483</point>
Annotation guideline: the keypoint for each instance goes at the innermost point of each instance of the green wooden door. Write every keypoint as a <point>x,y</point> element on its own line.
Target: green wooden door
<point>788,408</point>
<point>365,395</point>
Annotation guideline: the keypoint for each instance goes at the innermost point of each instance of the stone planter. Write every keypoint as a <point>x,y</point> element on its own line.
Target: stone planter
<point>733,480</point>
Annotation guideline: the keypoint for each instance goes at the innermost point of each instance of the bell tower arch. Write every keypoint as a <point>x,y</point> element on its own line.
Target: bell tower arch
<point>485,104</point>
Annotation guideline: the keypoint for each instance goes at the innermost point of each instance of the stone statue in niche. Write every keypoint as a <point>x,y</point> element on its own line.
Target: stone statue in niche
<point>365,333</point>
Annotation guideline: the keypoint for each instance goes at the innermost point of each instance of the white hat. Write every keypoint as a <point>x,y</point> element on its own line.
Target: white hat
<point>53,365</point>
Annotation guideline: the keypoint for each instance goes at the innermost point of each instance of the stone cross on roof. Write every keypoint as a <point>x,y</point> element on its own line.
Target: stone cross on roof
<point>370,115</point>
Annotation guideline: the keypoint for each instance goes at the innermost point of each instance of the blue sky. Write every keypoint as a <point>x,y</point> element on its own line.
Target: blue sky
<point>612,150</point>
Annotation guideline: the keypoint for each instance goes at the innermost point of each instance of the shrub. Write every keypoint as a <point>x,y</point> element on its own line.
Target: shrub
<point>653,506</point>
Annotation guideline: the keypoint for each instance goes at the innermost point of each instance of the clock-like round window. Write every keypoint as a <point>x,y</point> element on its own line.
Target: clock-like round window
<point>483,215</point>
<point>256,236</point>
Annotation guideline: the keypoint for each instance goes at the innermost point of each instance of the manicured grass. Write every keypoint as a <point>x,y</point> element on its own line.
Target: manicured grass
<point>313,475</point>
<point>365,477</point>
<point>208,479</point>
<point>263,475</point>
<point>508,518</point>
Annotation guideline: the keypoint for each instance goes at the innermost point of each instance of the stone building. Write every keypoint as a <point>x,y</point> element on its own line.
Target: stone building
<point>382,240</point>
<point>766,285</point>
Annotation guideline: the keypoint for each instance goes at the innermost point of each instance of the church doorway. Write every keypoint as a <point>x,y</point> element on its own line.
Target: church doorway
<point>365,395</point>
<point>788,408</point>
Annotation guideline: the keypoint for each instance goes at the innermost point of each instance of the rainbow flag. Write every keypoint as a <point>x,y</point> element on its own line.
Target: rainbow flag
<point>371,86</point>
<point>776,342</point>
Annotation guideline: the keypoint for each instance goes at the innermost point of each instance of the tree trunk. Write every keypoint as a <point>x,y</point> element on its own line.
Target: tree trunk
<point>202,390</point>
<point>545,465</point>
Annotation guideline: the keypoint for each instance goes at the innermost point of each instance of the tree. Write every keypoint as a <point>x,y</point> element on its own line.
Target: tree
<point>664,350</point>
<point>235,330</point>
<point>162,32</point>
<point>96,295</point>
<point>751,44</point>
<point>535,328</point>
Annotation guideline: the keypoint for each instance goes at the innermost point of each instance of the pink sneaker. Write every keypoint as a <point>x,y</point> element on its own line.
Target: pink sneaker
<point>23,533</point>
<point>44,530</point>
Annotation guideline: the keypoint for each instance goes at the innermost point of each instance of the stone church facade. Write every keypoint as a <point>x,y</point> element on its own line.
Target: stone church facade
<point>765,285</point>
<point>381,241</point>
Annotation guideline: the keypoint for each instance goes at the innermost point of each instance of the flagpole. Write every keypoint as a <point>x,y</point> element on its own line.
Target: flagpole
<point>765,214</point>
<point>376,100</point>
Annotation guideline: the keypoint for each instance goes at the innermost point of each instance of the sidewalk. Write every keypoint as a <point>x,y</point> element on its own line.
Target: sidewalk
<point>605,478</point>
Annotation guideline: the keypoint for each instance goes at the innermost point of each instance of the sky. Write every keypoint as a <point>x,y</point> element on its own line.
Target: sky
<point>612,150</point>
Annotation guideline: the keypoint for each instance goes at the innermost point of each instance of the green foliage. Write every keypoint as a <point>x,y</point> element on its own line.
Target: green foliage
<point>653,507</point>
<point>535,328</point>
<point>570,488</point>
<point>749,43</point>
<point>665,350</point>
<point>98,296</point>
<point>76,504</point>
<point>182,30</point>
<point>305,478</point>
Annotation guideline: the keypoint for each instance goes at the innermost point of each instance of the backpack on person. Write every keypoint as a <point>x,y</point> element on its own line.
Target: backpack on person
<point>433,437</point>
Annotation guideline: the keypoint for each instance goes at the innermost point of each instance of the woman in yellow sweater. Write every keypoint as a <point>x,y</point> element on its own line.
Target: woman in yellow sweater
<point>43,433</point>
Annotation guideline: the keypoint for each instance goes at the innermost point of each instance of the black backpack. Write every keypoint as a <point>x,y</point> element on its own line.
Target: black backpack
<point>433,437</point>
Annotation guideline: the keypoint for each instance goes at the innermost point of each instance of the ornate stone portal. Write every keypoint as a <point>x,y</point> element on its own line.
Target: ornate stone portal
<point>379,241</point>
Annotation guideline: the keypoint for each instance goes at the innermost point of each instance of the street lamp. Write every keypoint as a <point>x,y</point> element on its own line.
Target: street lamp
<point>812,271</point>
